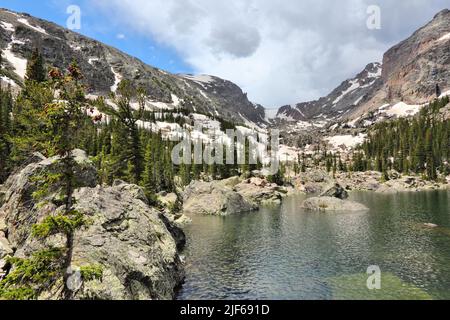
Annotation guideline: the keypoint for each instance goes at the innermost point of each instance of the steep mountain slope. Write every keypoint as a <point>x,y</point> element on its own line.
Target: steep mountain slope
<point>409,76</point>
<point>349,95</point>
<point>413,68</point>
<point>104,67</point>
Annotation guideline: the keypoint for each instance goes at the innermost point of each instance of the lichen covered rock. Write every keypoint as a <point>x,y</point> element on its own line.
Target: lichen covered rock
<point>135,246</point>
<point>213,198</point>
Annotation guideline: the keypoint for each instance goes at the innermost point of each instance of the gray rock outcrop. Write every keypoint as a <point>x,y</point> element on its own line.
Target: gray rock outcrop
<point>314,181</point>
<point>260,192</point>
<point>336,191</point>
<point>213,198</point>
<point>135,244</point>
<point>413,68</point>
<point>326,204</point>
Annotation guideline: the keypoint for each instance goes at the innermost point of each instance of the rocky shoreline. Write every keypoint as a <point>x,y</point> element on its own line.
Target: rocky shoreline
<point>316,181</point>
<point>236,195</point>
<point>138,245</point>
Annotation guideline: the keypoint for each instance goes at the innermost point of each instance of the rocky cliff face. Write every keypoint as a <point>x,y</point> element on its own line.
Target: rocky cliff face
<point>132,242</point>
<point>410,73</point>
<point>413,68</point>
<point>104,67</point>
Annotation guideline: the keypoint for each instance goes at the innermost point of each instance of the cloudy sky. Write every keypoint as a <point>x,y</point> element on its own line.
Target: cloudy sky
<point>280,52</point>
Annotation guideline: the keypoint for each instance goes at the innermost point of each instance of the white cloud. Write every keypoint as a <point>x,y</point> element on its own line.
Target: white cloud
<point>280,52</point>
<point>120,36</point>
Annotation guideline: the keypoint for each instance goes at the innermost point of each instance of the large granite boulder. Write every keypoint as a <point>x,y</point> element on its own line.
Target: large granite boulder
<point>18,202</point>
<point>214,198</point>
<point>260,192</point>
<point>332,204</point>
<point>336,191</point>
<point>318,176</point>
<point>135,244</point>
<point>314,181</point>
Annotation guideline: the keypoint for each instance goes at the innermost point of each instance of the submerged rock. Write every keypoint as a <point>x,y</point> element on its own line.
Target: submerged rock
<point>332,204</point>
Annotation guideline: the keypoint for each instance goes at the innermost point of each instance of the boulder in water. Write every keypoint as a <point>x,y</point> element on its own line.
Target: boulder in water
<point>332,204</point>
<point>213,198</point>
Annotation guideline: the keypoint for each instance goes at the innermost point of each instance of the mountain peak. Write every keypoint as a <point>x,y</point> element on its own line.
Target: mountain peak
<point>104,67</point>
<point>411,71</point>
<point>443,13</point>
<point>349,95</point>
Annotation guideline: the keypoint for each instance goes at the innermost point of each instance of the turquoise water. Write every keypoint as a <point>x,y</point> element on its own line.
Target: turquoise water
<point>288,253</point>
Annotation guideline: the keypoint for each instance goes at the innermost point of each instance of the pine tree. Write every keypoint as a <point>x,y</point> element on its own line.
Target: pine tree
<point>185,174</point>
<point>430,163</point>
<point>128,118</point>
<point>419,145</point>
<point>61,121</point>
<point>27,135</point>
<point>130,174</point>
<point>5,130</point>
<point>35,67</point>
<point>148,179</point>
<point>438,91</point>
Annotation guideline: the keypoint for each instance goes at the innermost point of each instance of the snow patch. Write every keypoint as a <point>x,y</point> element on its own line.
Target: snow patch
<point>368,85</point>
<point>334,127</point>
<point>160,105</point>
<point>202,80</point>
<point>8,81</point>
<point>444,37</point>
<point>118,79</point>
<point>176,100</point>
<point>91,97</point>
<point>204,95</point>
<point>376,74</point>
<point>199,78</point>
<point>75,48</point>
<point>19,64</point>
<point>21,42</point>
<point>92,60</point>
<point>286,117</point>
<point>38,29</point>
<point>352,123</point>
<point>7,26</point>
<point>301,113</point>
<point>347,141</point>
<point>288,154</point>
<point>402,109</point>
<point>446,93</point>
<point>358,101</point>
<point>302,125</point>
<point>354,85</point>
